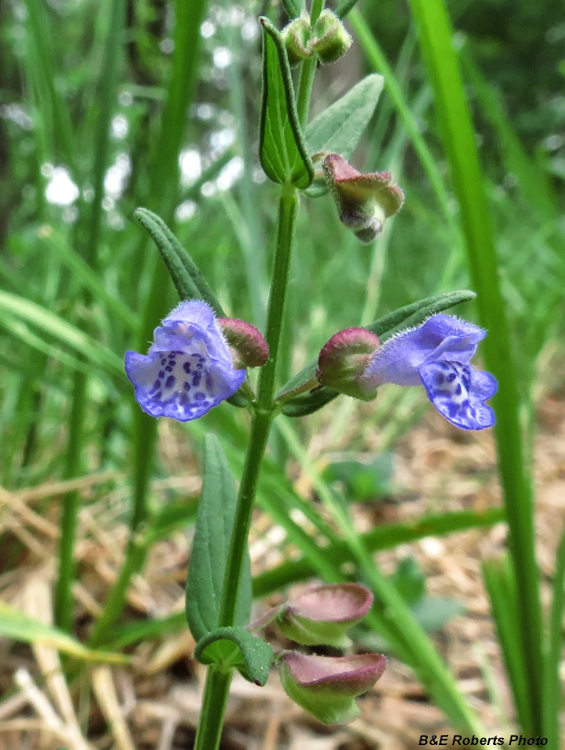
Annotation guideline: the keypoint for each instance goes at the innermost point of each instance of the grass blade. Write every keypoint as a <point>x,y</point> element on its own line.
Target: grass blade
<point>436,38</point>
<point>164,190</point>
<point>554,652</point>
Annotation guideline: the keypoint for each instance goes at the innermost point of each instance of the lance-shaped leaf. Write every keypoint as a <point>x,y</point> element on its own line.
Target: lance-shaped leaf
<point>298,403</point>
<point>208,557</point>
<point>338,129</point>
<point>282,149</point>
<point>236,647</point>
<point>188,279</point>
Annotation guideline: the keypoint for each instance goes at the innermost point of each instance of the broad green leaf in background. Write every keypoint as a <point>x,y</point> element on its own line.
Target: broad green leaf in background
<point>409,580</point>
<point>282,149</point>
<point>554,650</point>
<point>339,128</point>
<point>363,481</point>
<point>207,567</point>
<point>236,647</point>
<point>460,142</point>
<point>25,629</point>
<point>501,590</point>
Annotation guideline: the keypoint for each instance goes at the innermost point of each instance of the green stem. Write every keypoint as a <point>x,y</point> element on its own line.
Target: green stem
<point>217,688</point>
<point>436,36</point>
<point>288,209</point>
<point>307,71</point>
<point>63,604</point>
<point>113,606</point>
<point>305,81</point>
<point>213,709</point>
<point>260,428</point>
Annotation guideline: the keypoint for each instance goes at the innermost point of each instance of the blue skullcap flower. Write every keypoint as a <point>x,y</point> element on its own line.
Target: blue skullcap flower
<point>188,369</point>
<point>437,355</point>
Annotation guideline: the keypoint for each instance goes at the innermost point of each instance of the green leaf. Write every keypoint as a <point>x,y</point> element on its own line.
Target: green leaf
<point>417,312</point>
<point>434,612</point>
<point>236,647</point>
<point>188,279</point>
<point>384,328</point>
<point>339,128</point>
<point>207,568</point>
<point>553,692</point>
<point>344,7</point>
<point>363,481</point>
<point>308,403</point>
<point>501,589</point>
<point>456,128</point>
<point>25,629</point>
<point>292,8</point>
<point>282,149</point>
<point>409,580</point>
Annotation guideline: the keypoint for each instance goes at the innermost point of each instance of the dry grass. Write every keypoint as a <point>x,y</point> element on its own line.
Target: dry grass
<point>153,703</point>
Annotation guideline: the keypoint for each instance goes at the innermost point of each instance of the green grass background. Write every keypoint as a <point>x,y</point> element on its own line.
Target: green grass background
<point>81,283</point>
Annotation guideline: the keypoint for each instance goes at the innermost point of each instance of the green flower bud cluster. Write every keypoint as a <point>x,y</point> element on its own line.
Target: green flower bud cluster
<point>327,38</point>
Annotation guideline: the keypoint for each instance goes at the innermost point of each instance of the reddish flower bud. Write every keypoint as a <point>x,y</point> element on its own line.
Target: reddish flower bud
<point>248,347</point>
<point>344,359</point>
<point>326,686</point>
<point>323,614</point>
<point>364,201</point>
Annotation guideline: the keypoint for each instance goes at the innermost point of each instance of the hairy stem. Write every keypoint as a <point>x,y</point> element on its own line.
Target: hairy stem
<point>217,683</point>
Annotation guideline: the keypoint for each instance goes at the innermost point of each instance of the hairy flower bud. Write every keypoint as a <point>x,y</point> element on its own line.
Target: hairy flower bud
<point>296,36</point>
<point>326,686</point>
<point>323,614</point>
<point>364,201</point>
<point>344,359</point>
<point>330,40</point>
<point>248,347</point>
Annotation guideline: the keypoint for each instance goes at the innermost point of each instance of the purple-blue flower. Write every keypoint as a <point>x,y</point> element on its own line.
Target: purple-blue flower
<point>188,369</point>
<point>437,354</point>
